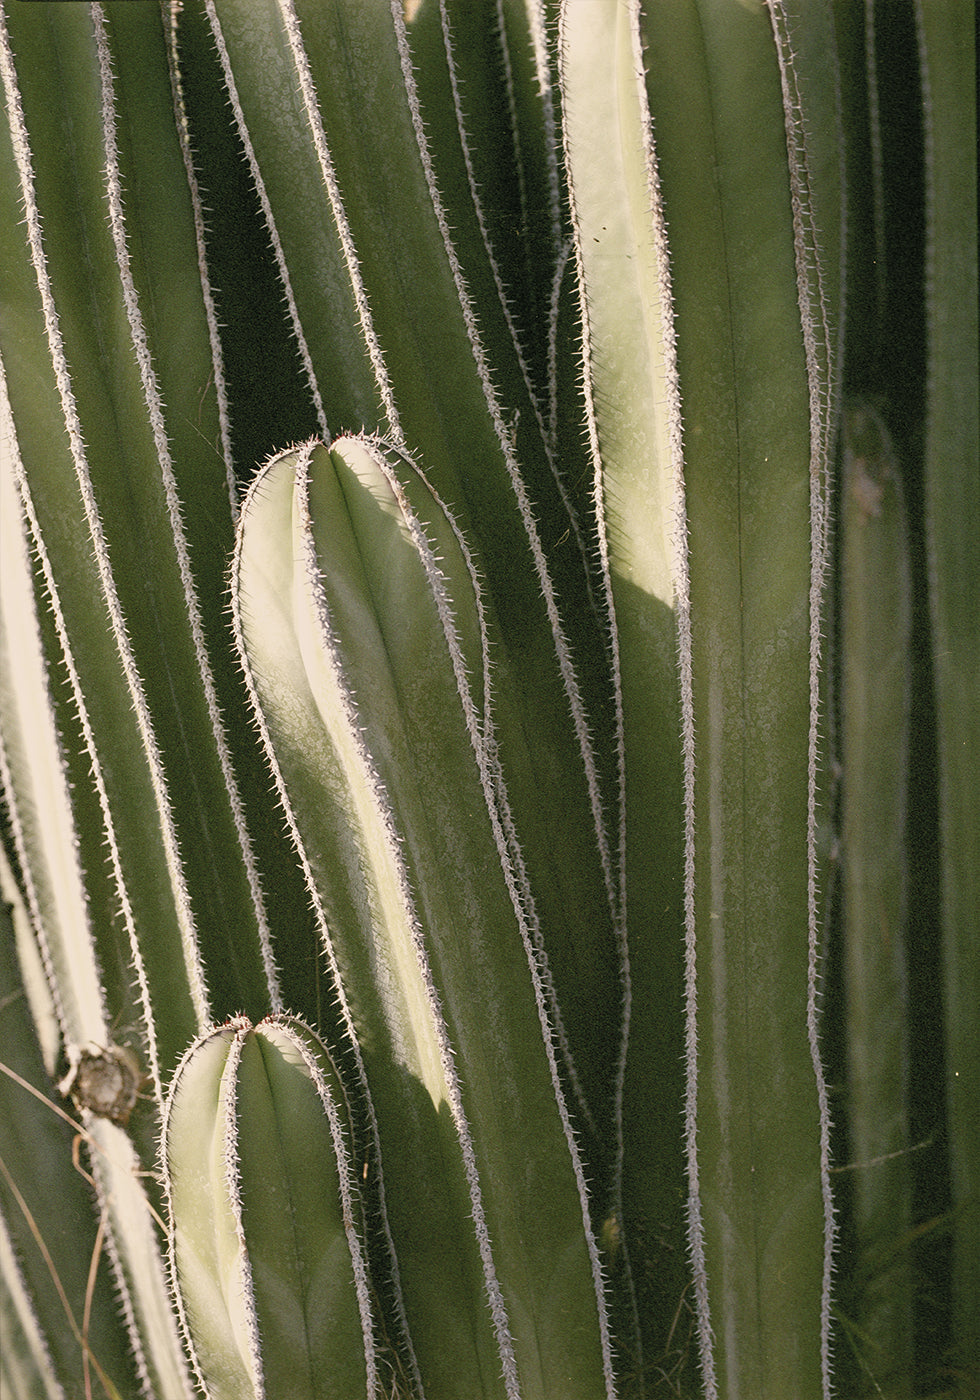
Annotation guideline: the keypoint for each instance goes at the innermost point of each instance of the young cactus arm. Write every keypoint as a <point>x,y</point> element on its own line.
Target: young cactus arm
<point>316,796</point>
<point>739,341</point>
<point>875,622</point>
<point>268,1259</point>
<point>947,41</point>
<point>359,653</point>
<point>205,1249</point>
<point>294,1084</point>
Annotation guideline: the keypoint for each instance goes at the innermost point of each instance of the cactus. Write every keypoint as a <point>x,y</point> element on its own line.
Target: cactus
<point>360,624</point>
<point>267,1256</point>
<point>443,870</point>
<point>875,630</point>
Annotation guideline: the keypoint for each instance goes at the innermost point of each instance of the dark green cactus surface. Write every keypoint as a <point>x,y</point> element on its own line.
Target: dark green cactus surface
<point>489,674</point>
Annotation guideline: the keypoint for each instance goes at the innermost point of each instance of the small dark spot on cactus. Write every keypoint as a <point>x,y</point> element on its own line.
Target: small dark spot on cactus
<point>105,1081</point>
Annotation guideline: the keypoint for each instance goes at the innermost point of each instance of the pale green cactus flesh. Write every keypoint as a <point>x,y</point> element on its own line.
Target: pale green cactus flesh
<point>420,851</point>
<point>362,636</point>
<point>267,1244</point>
<point>711,421</point>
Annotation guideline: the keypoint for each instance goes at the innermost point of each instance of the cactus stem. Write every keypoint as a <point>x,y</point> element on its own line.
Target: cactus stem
<point>117,620</point>
<point>210,310</point>
<point>270,221</point>
<point>154,406</point>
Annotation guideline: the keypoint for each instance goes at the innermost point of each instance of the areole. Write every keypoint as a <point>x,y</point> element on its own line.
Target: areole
<point>105,1081</point>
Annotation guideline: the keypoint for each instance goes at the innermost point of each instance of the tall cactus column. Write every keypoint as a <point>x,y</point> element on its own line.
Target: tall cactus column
<point>118,781</point>
<point>361,627</point>
<point>725,391</point>
<point>947,41</point>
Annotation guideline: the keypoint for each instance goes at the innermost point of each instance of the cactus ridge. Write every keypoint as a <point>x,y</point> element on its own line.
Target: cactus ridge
<point>819,246</point>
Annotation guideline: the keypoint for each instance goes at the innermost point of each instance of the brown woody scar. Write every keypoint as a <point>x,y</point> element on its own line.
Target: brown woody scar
<point>105,1081</point>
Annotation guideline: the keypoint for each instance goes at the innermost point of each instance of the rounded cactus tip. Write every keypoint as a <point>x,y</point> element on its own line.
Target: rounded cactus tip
<point>267,1255</point>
